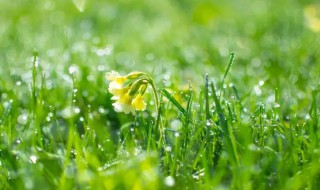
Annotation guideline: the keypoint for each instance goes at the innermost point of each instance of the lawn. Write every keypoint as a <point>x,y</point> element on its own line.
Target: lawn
<point>230,94</point>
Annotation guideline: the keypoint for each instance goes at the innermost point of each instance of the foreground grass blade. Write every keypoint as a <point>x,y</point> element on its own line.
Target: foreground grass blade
<point>228,68</point>
<point>174,101</point>
<point>223,122</point>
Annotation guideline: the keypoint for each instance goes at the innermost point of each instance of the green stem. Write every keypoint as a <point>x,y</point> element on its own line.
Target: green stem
<point>158,122</point>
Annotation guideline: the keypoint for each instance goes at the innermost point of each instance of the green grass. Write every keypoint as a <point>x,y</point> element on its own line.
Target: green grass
<point>238,84</point>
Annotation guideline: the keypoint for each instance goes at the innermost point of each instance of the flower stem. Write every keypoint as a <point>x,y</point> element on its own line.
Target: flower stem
<point>158,120</point>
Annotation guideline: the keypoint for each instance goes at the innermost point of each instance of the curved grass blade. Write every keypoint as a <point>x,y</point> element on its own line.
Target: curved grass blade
<point>175,102</point>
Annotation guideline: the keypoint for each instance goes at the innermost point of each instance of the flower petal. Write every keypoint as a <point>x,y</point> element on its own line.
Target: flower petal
<point>138,103</point>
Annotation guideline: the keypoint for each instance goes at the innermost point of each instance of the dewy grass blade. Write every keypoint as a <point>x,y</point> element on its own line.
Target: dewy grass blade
<point>206,91</point>
<point>223,122</point>
<point>174,101</point>
<point>227,71</point>
<point>229,66</point>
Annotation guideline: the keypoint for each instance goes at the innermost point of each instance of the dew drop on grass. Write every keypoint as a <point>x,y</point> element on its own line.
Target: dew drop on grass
<point>176,134</point>
<point>23,118</point>
<point>77,110</point>
<point>308,117</point>
<point>169,181</point>
<point>261,83</point>
<point>166,83</point>
<point>73,69</point>
<point>102,110</point>
<point>208,123</point>
<point>18,83</point>
<point>276,105</point>
<point>175,124</point>
<point>33,159</point>
<point>168,149</point>
<point>70,112</point>
<point>257,90</point>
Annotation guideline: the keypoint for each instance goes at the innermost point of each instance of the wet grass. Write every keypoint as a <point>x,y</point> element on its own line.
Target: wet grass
<point>238,84</point>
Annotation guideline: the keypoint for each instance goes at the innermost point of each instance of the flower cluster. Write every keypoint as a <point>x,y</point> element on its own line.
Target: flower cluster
<point>128,90</point>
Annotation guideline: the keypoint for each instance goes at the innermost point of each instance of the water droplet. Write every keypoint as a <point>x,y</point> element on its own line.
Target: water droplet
<point>308,117</point>
<point>169,181</point>
<point>18,83</point>
<point>168,149</point>
<point>70,112</point>
<point>23,118</point>
<point>176,134</point>
<point>261,83</point>
<point>175,124</point>
<point>257,90</point>
<point>104,51</point>
<point>73,69</point>
<point>33,159</point>
<point>276,105</point>
<point>101,110</point>
<point>208,123</point>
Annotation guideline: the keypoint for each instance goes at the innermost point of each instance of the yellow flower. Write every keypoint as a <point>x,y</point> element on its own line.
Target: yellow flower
<point>138,103</point>
<point>128,91</point>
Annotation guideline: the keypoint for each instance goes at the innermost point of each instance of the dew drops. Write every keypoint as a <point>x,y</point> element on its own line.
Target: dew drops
<point>77,110</point>
<point>73,69</point>
<point>257,90</point>
<point>175,124</point>
<point>276,105</point>
<point>70,111</point>
<point>168,149</point>
<point>261,83</point>
<point>102,110</point>
<point>23,118</point>
<point>105,51</point>
<point>169,181</point>
<point>33,159</point>
<point>308,117</point>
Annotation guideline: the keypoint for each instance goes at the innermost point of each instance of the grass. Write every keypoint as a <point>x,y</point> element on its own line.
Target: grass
<point>237,81</point>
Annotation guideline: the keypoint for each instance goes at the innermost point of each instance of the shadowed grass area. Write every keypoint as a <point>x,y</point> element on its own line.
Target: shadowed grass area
<point>238,84</point>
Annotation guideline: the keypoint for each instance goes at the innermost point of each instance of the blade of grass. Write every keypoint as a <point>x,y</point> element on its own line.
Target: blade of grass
<point>174,101</point>
<point>206,90</point>
<point>227,71</point>
<point>226,133</point>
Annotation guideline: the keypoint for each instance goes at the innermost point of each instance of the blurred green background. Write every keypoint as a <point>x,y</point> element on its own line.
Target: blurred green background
<point>175,40</point>
<point>276,45</point>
